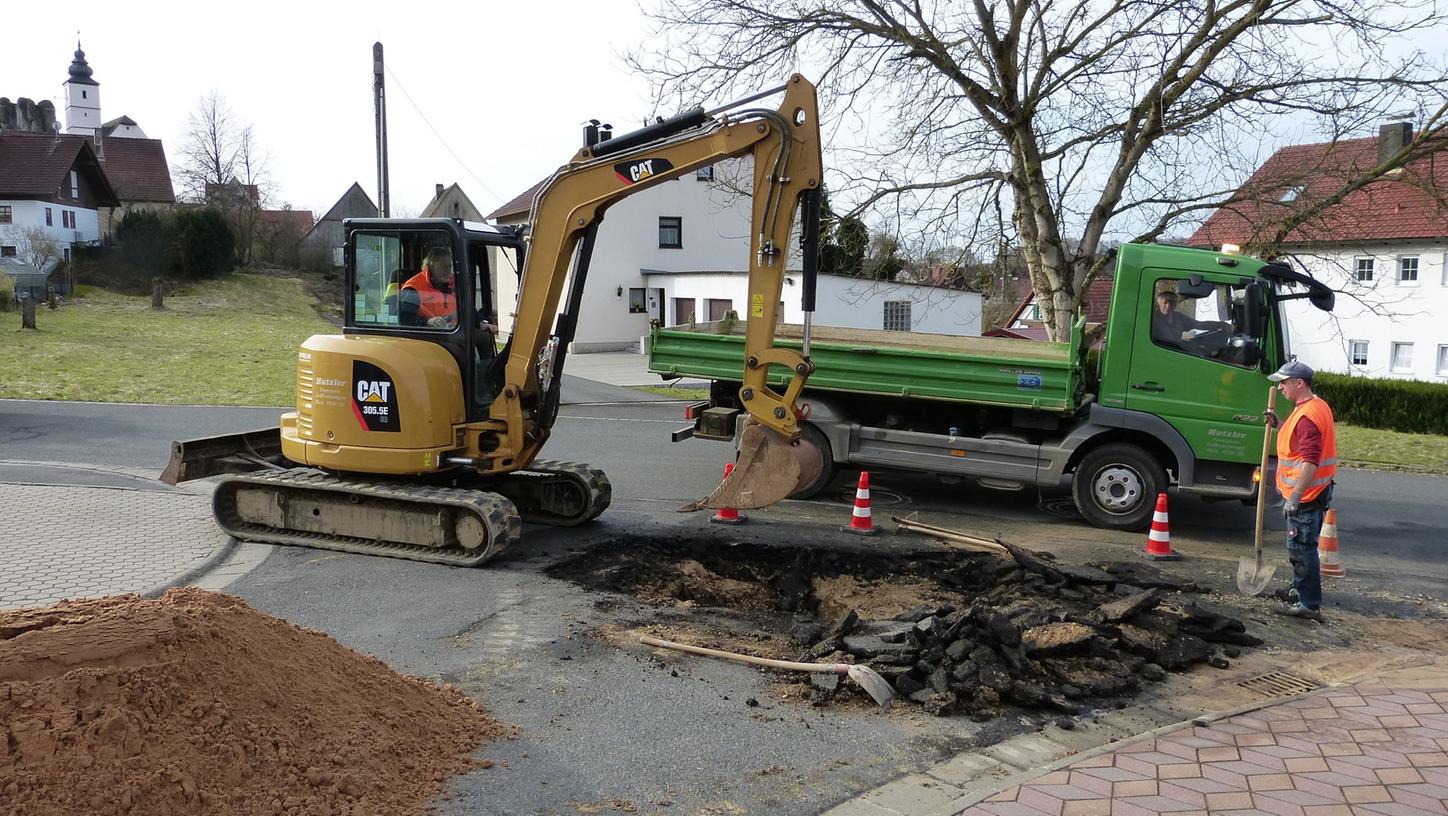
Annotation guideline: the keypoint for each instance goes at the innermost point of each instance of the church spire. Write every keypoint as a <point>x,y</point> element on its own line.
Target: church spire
<point>80,70</point>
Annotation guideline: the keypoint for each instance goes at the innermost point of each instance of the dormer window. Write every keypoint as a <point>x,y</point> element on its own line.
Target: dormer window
<point>74,185</point>
<point>1293,193</point>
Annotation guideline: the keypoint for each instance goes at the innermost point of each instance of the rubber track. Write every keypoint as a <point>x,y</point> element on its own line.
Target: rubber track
<point>499,516</point>
<point>594,481</point>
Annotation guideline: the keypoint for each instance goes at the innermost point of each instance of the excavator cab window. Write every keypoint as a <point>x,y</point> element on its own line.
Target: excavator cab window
<point>390,285</point>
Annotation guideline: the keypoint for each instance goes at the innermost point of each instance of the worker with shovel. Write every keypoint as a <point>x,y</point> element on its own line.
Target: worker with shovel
<point>1306,463</point>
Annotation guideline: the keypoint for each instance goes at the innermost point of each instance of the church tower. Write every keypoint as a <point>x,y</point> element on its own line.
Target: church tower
<point>82,98</point>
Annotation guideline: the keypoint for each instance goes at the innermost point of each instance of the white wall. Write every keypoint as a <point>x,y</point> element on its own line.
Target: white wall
<point>25,214</point>
<point>839,301</point>
<point>1382,312</point>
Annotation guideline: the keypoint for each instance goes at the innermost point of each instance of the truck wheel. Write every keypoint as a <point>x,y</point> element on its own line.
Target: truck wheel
<point>808,431</point>
<point>1115,487</point>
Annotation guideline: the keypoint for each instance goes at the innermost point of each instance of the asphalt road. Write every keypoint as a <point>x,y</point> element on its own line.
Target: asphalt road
<point>604,723</point>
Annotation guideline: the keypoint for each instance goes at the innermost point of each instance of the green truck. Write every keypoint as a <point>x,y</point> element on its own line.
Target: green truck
<point>1172,398</point>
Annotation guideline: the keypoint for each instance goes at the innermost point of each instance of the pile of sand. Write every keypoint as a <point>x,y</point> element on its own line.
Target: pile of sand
<point>198,703</point>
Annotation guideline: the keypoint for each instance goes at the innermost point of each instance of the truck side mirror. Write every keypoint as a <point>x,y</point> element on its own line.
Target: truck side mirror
<point>1255,312</point>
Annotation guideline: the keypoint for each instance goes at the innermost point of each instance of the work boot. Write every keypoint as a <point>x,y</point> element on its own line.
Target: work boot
<point>1297,610</point>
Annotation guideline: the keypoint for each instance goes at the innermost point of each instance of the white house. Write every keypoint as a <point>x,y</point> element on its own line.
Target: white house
<point>50,185</point>
<point>1382,249</point>
<point>680,251</point>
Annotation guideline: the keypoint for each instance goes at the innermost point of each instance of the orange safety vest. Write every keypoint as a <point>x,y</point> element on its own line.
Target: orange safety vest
<point>1289,461</point>
<point>432,302</point>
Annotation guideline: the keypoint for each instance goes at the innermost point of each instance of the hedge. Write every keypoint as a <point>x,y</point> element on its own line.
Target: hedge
<point>1410,406</point>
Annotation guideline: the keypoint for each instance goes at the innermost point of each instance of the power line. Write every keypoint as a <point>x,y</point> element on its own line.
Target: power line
<point>388,67</point>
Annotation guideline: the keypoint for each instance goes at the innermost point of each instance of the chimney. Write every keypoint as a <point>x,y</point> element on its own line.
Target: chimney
<point>1392,137</point>
<point>437,191</point>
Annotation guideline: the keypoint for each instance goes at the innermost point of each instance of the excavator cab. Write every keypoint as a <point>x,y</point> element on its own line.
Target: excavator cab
<point>397,293</point>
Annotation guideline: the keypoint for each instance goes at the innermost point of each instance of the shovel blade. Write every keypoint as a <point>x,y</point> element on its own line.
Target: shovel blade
<point>1253,576</point>
<point>770,468</point>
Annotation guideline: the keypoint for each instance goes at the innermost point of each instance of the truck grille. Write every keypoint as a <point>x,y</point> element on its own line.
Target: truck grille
<point>305,390</point>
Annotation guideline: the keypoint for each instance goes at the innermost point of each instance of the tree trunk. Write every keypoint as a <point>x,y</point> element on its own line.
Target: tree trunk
<point>27,313</point>
<point>156,294</point>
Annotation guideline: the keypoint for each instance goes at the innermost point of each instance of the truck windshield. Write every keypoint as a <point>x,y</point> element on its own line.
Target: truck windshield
<point>1201,323</point>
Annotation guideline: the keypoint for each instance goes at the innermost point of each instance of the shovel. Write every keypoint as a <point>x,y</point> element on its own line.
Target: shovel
<point>1252,575</point>
<point>770,468</point>
<point>869,679</point>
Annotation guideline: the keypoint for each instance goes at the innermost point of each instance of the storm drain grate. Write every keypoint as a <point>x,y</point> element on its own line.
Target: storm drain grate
<point>1279,684</point>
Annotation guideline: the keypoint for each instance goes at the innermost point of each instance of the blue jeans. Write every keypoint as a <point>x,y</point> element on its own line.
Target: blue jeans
<point>1303,528</point>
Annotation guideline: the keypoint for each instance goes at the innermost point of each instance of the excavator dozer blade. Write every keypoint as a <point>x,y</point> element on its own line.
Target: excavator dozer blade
<point>231,453</point>
<point>770,468</point>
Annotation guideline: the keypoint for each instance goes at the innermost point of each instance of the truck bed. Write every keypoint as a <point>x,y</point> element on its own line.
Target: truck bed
<point>981,370</point>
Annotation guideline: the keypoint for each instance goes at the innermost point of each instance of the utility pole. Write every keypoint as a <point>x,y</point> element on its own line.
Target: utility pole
<point>379,103</point>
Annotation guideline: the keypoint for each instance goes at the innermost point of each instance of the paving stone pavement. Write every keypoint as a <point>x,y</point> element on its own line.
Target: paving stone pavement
<point>62,541</point>
<point>1363,750</point>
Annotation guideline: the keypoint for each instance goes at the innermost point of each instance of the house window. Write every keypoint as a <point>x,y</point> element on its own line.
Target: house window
<point>1443,361</point>
<point>1363,269</point>
<point>897,315</point>
<point>7,251</point>
<point>636,302</point>
<point>5,214</point>
<point>49,222</point>
<point>1403,358</point>
<point>1358,352</point>
<point>65,254</point>
<point>82,95</point>
<point>74,184</point>
<point>671,232</point>
<point>1408,269</point>
<point>704,173</point>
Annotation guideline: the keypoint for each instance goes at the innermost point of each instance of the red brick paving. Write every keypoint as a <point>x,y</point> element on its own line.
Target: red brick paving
<point>1361,751</point>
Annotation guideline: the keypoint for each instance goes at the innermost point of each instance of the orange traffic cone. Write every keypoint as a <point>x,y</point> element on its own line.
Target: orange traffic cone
<point>1328,565</point>
<point>860,523</point>
<point>1158,541</point>
<point>727,515</point>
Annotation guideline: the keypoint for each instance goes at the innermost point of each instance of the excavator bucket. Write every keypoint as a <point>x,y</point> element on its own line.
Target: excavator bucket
<point>770,468</point>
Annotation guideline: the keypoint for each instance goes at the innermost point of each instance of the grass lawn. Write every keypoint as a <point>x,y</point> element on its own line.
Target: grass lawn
<point>1368,447</point>
<point>227,342</point>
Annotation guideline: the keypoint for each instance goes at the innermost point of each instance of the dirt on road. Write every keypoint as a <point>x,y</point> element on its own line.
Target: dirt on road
<point>197,703</point>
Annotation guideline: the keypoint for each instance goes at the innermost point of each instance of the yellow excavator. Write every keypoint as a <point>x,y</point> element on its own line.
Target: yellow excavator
<point>414,436</point>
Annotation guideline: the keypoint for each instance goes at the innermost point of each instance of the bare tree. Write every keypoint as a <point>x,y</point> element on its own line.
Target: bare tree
<point>37,247</point>
<point>1059,125</point>
<point>223,165</point>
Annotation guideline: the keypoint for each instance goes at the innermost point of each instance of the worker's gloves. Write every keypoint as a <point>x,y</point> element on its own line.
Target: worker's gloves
<point>440,322</point>
<point>1289,508</point>
<point>1272,419</point>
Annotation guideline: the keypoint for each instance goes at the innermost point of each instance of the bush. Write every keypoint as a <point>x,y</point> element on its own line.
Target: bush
<point>147,240</point>
<point>1409,406</point>
<point>7,293</point>
<point>205,244</point>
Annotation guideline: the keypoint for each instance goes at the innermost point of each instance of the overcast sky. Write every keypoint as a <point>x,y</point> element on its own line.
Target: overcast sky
<point>507,86</point>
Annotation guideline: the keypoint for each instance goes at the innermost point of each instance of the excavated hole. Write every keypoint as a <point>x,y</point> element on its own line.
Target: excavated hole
<point>957,632</point>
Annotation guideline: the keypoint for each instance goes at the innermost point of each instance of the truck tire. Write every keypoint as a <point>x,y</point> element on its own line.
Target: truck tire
<point>1115,486</point>
<point>808,431</point>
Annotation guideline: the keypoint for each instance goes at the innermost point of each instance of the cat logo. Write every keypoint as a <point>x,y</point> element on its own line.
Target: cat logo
<point>372,391</point>
<point>374,398</point>
<point>636,171</point>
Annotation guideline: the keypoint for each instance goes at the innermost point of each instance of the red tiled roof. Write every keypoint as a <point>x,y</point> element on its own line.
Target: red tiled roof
<point>521,205</point>
<point>300,220</point>
<point>1409,204</point>
<point>138,170</point>
<point>1096,304</point>
<point>35,165</point>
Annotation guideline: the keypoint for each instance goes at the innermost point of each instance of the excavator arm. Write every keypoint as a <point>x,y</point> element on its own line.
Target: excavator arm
<point>784,144</point>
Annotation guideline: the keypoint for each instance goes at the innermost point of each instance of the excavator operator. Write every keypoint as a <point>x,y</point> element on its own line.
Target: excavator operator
<point>429,298</point>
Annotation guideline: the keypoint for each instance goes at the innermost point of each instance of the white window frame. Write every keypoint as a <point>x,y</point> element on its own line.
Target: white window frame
<point>1352,353</point>
<point>74,185</point>
<point>1442,360</point>
<point>1357,268</point>
<point>1393,360</point>
<point>1417,269</point>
